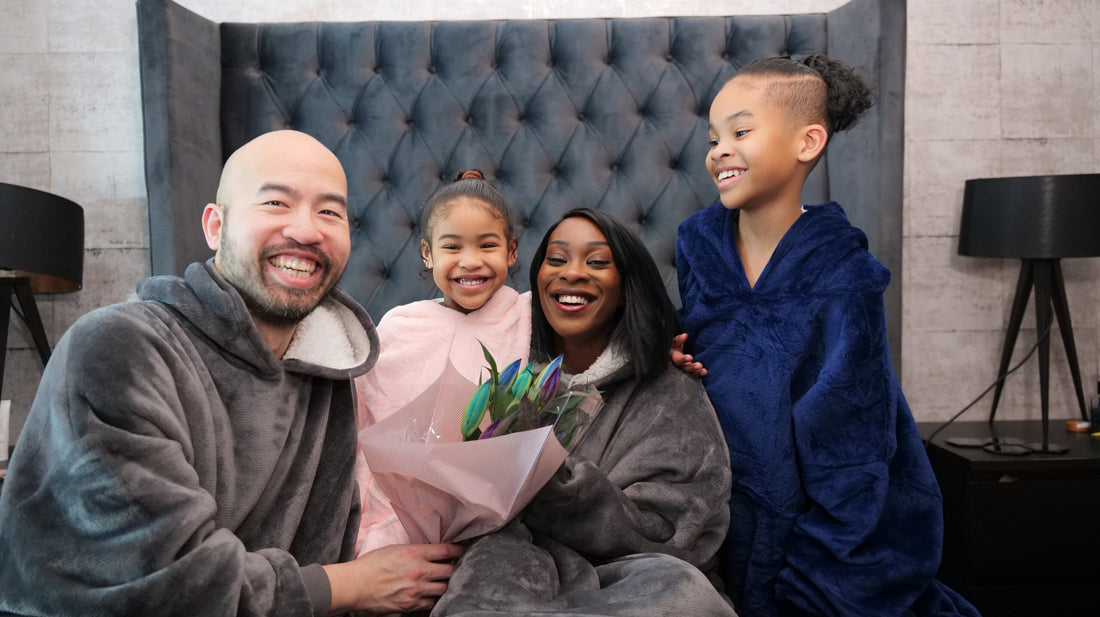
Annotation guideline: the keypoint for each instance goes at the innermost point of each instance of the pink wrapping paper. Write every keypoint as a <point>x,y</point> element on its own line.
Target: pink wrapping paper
<point>444,489</point>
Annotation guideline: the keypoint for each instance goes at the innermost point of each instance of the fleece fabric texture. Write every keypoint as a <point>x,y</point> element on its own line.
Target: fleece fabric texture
<point>630,523</point>
<point>834,508</point>
<point>417,340</point>
<point>172,465</point>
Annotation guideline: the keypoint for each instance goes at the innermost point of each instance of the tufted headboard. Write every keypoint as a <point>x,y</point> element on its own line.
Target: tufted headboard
<point>604,113</point>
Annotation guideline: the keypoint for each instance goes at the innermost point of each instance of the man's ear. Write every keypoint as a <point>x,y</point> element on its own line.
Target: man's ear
<point>426,253</point>
<point>814,137</point>
<point>212,225</point>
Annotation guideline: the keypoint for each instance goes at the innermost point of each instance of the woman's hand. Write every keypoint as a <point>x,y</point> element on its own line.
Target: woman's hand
<point>683,360</point>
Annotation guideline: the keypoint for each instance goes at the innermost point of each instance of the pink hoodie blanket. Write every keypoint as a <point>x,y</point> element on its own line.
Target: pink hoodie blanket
<point>415,342</point>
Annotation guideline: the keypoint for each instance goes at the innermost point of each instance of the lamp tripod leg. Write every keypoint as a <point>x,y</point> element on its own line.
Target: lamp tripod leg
<point>1016,317</point>
<point>6,291</point>
<point>1061,311</point>
<point>34,320</point>
<point>1044,318</point>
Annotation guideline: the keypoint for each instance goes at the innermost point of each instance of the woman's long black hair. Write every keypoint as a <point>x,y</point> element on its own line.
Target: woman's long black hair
<point>646,321</point>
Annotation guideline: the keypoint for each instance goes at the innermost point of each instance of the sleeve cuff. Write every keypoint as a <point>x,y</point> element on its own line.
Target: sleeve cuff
<point>317,588</point>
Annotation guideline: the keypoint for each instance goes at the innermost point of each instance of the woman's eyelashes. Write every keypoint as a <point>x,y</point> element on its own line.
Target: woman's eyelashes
<point>592,262</point>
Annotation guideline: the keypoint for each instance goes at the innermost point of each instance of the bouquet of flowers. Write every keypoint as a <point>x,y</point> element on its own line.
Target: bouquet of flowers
<point>463,459</point>
<point>519,401</point>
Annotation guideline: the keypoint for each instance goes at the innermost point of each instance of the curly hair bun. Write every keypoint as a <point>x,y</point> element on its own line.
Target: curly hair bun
<point>470,174</point>
<point>848,95</point>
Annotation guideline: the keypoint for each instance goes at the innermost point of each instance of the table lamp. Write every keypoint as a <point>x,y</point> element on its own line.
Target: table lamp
<point>41,251</point>
<point>1039,220</point>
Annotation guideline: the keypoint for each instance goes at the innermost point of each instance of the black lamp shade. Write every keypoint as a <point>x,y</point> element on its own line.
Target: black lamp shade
<point>41,236</point>
<point>1031,217</point>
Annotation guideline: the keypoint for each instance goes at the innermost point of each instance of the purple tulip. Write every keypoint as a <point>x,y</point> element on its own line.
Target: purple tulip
<point>547,383</point>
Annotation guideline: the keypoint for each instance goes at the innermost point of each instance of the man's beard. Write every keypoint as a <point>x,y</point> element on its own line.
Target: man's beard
<point>268,302</point>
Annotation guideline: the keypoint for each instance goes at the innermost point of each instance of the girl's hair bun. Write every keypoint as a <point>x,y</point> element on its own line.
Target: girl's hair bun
<point>469,174</point>
<point>848,96</point>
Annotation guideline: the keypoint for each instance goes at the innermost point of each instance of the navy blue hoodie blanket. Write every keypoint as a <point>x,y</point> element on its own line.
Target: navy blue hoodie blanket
<point>834,507</point>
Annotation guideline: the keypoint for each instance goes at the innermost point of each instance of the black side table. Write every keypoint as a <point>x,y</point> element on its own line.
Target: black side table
<point>1021,533</point>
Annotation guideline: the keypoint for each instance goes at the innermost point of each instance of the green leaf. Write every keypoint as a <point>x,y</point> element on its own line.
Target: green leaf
<point>492,363</point>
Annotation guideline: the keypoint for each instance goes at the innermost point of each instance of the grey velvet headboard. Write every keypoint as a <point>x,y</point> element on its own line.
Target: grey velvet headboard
<point>604,113</point>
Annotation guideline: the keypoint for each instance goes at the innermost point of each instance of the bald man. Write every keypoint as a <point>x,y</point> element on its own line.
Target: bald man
<point>191,452</point>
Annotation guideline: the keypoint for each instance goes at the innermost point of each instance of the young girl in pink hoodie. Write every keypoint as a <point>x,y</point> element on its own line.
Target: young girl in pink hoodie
<point>469,245</point>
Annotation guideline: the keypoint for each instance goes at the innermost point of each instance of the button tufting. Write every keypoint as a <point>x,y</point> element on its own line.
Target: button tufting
<point>580,116</point>
<point>431,68</point>
<point>499,174</point>
<point>673,164</point>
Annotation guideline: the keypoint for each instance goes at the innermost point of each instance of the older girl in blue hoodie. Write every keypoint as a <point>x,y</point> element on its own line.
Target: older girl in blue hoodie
<point>834,508</point>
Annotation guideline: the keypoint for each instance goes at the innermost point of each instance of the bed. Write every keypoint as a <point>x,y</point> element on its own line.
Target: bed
<point>609,113</point>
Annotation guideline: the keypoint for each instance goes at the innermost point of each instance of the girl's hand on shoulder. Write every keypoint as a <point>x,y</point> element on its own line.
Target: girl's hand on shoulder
<point>683,360</point>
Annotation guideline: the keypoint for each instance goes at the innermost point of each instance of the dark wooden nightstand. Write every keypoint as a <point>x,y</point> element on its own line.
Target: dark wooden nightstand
<point>1021,533</point>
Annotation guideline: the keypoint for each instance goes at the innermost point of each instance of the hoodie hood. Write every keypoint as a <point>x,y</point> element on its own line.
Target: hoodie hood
<point>819,241</point>
<point>336,341</point>
<point>823,236</point>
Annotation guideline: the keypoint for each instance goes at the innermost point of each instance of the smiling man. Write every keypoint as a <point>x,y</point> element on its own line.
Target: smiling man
<point>192,452</point>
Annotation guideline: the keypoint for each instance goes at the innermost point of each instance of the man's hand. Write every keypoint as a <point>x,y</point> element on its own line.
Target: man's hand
<point>402,577</point>
<point>683,360</point>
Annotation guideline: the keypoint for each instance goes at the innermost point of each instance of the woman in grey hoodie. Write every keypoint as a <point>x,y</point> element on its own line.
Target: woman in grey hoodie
<point>632,520</point>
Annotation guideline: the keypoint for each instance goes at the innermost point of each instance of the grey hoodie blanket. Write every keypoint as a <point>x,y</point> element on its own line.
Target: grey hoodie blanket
<point>172,465</point>
<point>629,525</point>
